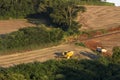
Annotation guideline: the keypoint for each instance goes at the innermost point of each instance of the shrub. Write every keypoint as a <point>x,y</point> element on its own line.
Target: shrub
<point>116,54</point>
<point>80,44</point>
<point>30,37</point>
<point>62,70</point>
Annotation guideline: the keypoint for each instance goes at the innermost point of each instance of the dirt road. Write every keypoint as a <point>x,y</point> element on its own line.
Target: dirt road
<point>41,55</point>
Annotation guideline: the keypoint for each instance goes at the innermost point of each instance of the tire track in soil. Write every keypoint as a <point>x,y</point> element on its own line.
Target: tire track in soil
<point>37,55</point>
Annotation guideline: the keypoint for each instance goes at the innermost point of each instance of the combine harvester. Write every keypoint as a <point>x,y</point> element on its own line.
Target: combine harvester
<point>65,54</point>
<point>68,54</point>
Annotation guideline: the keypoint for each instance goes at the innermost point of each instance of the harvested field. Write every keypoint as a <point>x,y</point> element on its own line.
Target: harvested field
<point>106,41</point>
<point>44,54</point>
<point>7,26</point>
<point>100,17</point>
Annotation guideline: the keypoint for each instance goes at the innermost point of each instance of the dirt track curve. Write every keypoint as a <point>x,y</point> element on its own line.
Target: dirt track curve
<point>39,55</point>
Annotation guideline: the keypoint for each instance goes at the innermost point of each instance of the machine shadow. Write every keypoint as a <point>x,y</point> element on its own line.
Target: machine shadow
<point>89,54</point>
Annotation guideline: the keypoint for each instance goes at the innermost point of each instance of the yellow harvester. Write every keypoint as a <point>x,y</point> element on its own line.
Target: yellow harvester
<point>68,54</point>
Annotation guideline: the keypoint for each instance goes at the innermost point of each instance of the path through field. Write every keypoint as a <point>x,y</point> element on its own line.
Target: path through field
<point>42,55</point>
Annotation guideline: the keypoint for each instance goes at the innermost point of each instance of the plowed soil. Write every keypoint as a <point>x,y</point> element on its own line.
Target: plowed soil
<point>100,17</point>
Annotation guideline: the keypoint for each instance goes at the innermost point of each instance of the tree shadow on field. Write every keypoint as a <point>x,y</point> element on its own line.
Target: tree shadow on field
<point>38,19</point>
<point>89,54</point>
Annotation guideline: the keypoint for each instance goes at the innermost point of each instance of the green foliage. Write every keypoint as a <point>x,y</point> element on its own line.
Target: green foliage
<point>61,13</point>
<point>62,70</point>
<point>80,44</point>
<point>64,14</point>
<point>116,54</point>
<point>104,60</point>
<point>30,37</point>
<point>93,2</point>
<point>22,8</point>
<point>17,8</point>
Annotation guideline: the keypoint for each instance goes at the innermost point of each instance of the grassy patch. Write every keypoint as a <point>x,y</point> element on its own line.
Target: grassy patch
<point>80,44</point>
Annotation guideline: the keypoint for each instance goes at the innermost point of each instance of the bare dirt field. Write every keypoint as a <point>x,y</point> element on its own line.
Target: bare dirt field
<point>7,26</point>
<point>100,17</point>
<point>45,54</point>
<point>106,41</point>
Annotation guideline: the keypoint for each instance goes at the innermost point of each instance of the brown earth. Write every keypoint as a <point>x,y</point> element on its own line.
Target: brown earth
<point>100,17</point>
<point>45,54</point>
<point>7,26</point>
<point>106,41</point>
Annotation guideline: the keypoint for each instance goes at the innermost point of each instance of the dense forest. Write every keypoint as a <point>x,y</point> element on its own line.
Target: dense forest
<point>22,8</point>
<point>63,70</point>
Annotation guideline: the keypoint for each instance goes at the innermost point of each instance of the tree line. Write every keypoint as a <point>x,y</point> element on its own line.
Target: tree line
<point>30,37</point>
<point>62,70</point>
<point>16,8</point>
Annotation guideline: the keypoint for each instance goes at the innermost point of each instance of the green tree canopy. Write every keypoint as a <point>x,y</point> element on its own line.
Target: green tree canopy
<point>61,13</point>
<point>116,54</point>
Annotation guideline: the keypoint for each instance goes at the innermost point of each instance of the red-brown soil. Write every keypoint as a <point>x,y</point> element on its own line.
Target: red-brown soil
<point>105,41</point>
